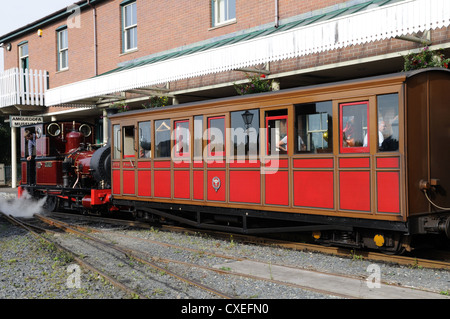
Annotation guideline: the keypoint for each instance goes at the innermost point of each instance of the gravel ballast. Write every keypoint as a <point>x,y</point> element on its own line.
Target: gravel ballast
<point>34,270</point>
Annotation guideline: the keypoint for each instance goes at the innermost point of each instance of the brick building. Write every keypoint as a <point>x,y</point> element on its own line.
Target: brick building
<point>76,62</point>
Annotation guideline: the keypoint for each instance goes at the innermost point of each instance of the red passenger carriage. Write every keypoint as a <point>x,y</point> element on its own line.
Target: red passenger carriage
<point>349,161</point>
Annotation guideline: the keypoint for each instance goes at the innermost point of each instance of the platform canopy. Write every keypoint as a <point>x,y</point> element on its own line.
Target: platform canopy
<point>359,24</point>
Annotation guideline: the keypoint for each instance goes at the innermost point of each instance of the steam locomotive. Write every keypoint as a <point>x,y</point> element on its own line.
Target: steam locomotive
<point>364,162</point>
<point>65,165</point>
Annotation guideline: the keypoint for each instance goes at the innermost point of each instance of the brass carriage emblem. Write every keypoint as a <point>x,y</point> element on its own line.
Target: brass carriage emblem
<point>216,183</point>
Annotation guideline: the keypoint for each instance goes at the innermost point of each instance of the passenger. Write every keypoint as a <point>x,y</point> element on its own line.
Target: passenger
<point>282,144</point>
<point>381,134</point>
<point>31,164</point>
<point>348,133</point>
<point>31,139</point>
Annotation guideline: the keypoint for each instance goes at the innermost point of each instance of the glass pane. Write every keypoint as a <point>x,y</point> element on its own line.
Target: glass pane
<point>182,138</point>
<point>23,50</point>
<point>245,133</point>
<point>314,127</point>
<point>388,131</point>
<point>162,138</point>
<point>145,140</point>
<point>354,126</point>
<point>131,38</point>
<point>63,40</point>
<point>128,142</point>
<point>216,136</point>
<point>277,135</point>
<point>130,15</point>
<point>116,137</point>
<point>198,137</point>
<point>64,59</point>
<point>231,9</point>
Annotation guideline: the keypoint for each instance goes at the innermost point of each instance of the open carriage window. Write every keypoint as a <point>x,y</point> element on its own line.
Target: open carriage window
<point>314,128</point>
<point>354,127</point>
<point>128,142</point>
<point>277,132</point>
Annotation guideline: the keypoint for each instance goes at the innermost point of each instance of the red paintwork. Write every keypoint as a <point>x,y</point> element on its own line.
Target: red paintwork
<point>181,185</point>
<point>145,183</point>
<point>198,185</point>
<point>277,188</point>
<point>162,184</point>
<point>314,189</point>
<point>354,162</point>
<point>354,190</point>
<point>245,187</point>
<point>388,192</point>
<point>388,162</point>
<point>314,163</point>
<point>128,183</point>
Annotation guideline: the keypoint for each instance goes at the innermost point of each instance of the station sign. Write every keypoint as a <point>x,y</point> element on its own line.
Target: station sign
<point>18,121</point>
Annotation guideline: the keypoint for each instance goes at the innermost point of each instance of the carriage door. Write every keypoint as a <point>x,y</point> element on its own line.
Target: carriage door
<point>124,159</point>
<point>354,160</point>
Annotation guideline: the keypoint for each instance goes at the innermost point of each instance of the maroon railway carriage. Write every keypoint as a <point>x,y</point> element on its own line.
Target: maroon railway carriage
<point>361,163</point>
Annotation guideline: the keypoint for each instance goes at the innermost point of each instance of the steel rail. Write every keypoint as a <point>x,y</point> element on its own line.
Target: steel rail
<point>330,250</point>
<point>131,254</point>
<point>79,260</point>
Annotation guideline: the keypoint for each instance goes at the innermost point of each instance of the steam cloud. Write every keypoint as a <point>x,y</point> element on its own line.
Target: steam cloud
<point>24,206</point>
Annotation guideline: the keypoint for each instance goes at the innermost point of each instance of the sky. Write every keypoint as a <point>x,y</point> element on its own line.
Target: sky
<point>17,13</point>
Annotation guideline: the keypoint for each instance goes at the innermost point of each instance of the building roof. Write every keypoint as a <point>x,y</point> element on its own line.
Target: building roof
<point>337,13</point>
<point>51,18</point>
<point>358,24</point>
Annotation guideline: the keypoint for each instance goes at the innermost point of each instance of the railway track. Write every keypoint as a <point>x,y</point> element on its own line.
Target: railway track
<point>108,239</point>
<point>440,260</point>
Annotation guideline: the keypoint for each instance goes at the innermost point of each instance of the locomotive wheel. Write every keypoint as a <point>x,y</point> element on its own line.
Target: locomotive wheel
<point>50,204</point>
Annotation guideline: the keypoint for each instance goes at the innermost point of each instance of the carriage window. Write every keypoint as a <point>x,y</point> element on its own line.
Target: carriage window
<point>116,136</point>
<point>314,127</point>
<point>145,140</point>
<point>354,127</point>
<point>388,131</point>
<point>216,136</point>
<point>276,132</point>
<point>182,138</point>
<point>245,133</point>
<point>198,137</point>
<point>128,142</point>
<point>162,138</point>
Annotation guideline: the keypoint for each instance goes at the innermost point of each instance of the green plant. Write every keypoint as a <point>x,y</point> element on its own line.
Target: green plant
<point>156,101</point>
<point>425,58</point>
<point>256,84</point>
<point>120,106</point>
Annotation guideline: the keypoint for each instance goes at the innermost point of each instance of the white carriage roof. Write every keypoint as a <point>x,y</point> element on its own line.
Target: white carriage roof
<point>362,23</point>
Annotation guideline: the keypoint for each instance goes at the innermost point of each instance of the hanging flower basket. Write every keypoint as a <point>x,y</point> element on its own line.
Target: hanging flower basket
<point>257,84</point>
<point>426,58</point>
<point>156,101</point>
<point>120,107</point>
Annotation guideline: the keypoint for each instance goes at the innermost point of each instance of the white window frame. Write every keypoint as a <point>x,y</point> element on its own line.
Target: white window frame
<point>126,28</point>
<point>221,12</point>
<point>63,51</point>
<point>21,55</point>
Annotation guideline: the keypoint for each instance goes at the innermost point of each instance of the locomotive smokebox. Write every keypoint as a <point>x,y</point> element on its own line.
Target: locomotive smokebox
<point>101,165</point>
